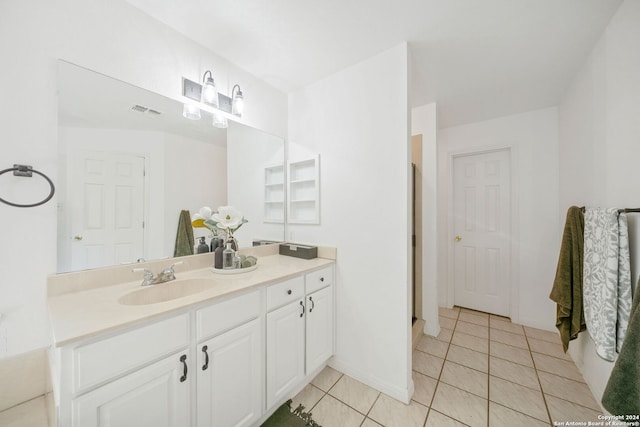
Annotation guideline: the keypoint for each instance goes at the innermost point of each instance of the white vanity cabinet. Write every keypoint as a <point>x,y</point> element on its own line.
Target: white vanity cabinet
<point>157,395</point>
<point>229,369</point>
<point>118,380</point>
<point>299,331</point>
<point>225,363</point>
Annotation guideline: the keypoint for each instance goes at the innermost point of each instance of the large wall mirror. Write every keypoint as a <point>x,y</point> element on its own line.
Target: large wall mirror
<point>130,162</point>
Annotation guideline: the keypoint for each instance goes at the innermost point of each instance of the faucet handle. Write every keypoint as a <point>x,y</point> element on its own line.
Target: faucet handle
<point>148,275</point>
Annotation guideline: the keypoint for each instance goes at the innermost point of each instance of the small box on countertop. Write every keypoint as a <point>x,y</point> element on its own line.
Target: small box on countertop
<point>299,251</point>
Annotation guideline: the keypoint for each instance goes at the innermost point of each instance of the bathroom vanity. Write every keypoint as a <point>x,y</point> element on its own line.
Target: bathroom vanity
<point>203,350</point>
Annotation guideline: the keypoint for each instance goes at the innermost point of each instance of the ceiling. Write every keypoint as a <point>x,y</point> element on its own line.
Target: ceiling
<point>478,59</point>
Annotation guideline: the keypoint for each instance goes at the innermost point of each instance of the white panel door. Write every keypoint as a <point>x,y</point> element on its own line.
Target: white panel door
<point>319,328</point>
<point>155,396</point>
<point>106,208</point>
<point>481,225</point>
<point>285,350</point>
<point>230,385</point>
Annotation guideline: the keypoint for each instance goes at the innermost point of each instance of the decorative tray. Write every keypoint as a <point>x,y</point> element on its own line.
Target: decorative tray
<point>234,270</point>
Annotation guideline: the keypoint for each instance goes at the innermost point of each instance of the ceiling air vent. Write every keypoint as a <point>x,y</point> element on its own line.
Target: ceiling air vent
<point>139,108</point>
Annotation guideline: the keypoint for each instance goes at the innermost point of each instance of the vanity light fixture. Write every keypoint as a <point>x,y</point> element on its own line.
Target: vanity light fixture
<point>237,101</point>
<point>191,112</point>
<point>206,95</point>
<point>220,121</point>
<point>209,94</point>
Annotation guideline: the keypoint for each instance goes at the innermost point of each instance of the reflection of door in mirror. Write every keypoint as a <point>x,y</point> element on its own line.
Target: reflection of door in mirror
<point>105,216</point>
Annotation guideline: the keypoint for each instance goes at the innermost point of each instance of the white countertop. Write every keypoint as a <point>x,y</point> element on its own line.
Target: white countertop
<point>86,313</point>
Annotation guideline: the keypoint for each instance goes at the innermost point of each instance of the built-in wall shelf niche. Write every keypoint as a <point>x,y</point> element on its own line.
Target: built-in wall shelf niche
<point>303,191</point>
<point>274,194</point>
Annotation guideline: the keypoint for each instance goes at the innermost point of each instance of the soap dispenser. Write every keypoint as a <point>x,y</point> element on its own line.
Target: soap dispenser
<point>202,247</point>
<point>218,257</point>
<point>228,256</point>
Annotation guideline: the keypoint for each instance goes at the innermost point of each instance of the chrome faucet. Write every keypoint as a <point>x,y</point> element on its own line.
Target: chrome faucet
<point>166,275</point>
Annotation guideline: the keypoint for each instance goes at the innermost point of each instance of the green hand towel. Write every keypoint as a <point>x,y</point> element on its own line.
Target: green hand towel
<point>567,286</point>
<point>184,237</point>
<point>622,394</point>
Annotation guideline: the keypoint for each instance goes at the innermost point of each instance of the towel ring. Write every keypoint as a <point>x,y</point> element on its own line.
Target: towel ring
<point>28,171</point>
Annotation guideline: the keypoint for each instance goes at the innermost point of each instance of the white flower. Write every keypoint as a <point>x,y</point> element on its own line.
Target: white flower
<point>204,214</point>
<point>227,218</point>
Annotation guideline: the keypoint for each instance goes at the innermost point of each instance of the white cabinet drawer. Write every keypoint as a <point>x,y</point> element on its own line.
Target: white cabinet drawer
<point>225,315</point>
<point>319,279</point>
<point>284,292</point>
<point>100,361</point>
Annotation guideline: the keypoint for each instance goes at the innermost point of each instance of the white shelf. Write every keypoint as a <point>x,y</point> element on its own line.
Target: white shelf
<point>303,191</point>
<point>274,194</point>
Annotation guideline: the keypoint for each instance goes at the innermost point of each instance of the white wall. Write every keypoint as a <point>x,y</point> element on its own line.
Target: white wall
<point>424,122</point>
<point>599,147</point>
<point>108,36</point>
<point>364,156</point>
<point>533,140</point>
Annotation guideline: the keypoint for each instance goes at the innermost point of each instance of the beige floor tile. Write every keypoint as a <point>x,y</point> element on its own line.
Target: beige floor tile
<point>436,419</point>
<point>446,322</point>
<point>500,416</point>
<point>432,346</point>
<point>473,329</point>
<point>506,326</point>
<point>354,393</point>
<point>445,334</point>
<point>22,378</point>
<point>424,387</point>
<point>427,364</point>
<point>548,348</point>
<point>474,317</point>
<point>467,379</point>
<point>451,313</point>
<point>308,397</point>
<point>470,358</point>
<point>517,397</point>
<point>392,413</point>
<point>326,379</point>
<point>514,372</point>
<point>503,318</point>
<point>370,423</point>
<point>511,353</point>
<point>51,409</point>
<point>567,389</point>
<point>553,365</point>
<point>460,405</point>
<point>509,338</point>
<point>32,413</point>
<point>562,410</point>
<point>542,334</point>
<point>331,412</point>
<point>469,341</point>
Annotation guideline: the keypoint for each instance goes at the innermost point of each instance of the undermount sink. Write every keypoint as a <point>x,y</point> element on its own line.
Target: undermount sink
<point>164,292</point>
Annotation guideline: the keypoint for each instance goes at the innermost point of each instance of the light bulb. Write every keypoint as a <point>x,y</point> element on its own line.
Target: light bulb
<point>220,121</point>
<point>191,112</point>
<point>209,94</point>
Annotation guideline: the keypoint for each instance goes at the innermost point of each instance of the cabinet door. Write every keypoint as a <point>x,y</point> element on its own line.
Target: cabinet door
<point>230,378</point>
<point>319,327</point>
<point>157,396</point>
<point>285,350</point>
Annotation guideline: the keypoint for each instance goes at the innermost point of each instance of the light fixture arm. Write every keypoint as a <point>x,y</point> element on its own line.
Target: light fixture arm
<point>233,90</point>
<point>204,76</point>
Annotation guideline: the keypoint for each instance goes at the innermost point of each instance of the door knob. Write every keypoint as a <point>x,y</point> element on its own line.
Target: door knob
<point>458,238</point>
<point>78,237</point>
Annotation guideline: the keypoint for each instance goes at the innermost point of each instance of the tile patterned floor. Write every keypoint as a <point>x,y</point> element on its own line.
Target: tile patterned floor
<point>482,370</point>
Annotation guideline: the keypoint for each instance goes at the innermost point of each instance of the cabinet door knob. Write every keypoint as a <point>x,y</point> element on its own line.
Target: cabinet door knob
<point>322,279</point>
<point>302,305</point>
<point>206,358</point>
<point>289,292</point>
<point>183,359</point>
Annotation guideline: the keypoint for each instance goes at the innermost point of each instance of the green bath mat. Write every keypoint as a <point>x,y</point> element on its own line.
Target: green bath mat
<point>287,417</point>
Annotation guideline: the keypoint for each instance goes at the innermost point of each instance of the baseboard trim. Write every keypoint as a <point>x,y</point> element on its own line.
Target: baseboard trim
<point>403,395</point>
